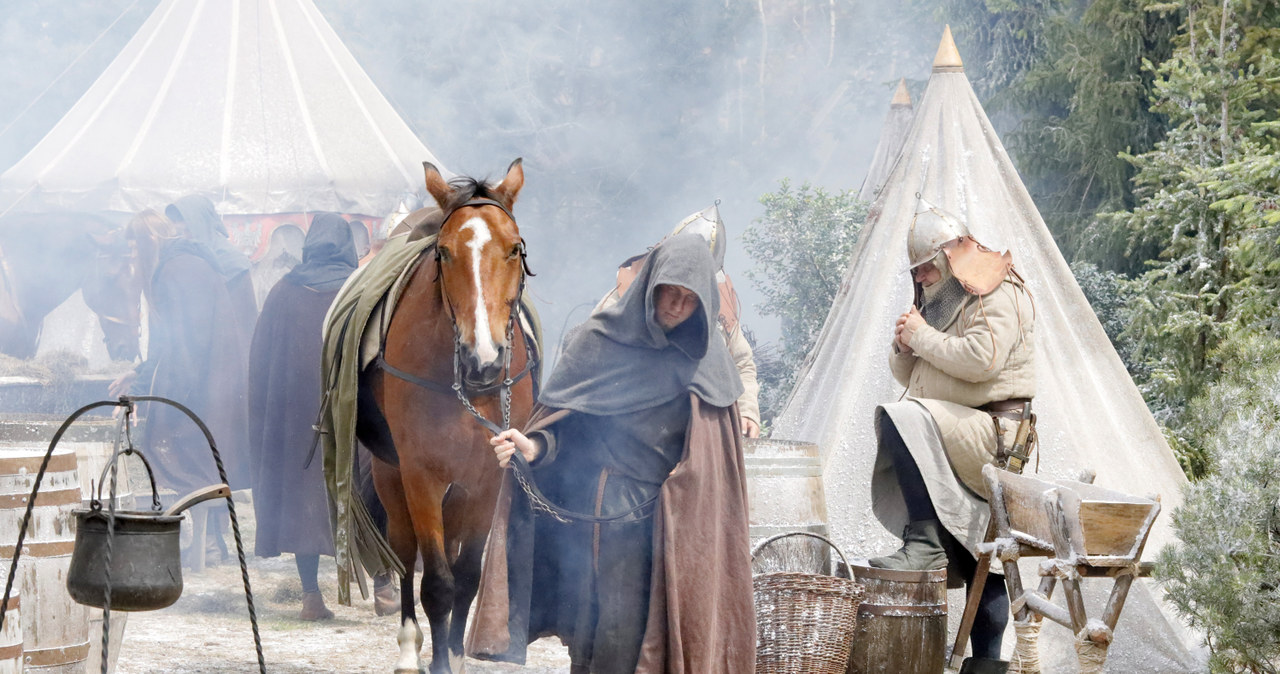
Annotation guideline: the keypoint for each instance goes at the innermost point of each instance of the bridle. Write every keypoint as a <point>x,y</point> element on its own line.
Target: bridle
<point>458,387</point>
<point>523,472</point>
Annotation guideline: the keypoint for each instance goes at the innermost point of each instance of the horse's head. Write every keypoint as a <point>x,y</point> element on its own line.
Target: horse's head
<point>112,289</point>
<point>481,263</point>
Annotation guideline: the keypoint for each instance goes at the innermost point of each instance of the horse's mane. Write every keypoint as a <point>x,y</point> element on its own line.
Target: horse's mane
<point>466,188</point>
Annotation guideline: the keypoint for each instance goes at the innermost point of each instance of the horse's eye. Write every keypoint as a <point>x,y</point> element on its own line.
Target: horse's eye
<point>444,254</point>
<point>516,251</point>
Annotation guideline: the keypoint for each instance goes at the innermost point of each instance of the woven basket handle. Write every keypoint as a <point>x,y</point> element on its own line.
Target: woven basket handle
<point>761,545</point>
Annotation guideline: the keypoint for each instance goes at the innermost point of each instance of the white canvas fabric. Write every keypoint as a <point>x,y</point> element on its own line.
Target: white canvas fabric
<point>254,103</point>
<point>1091,416</point>
<point>892,134</point>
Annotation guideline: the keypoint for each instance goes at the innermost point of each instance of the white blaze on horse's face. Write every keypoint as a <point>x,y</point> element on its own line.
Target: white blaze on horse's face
<point>485,349</point>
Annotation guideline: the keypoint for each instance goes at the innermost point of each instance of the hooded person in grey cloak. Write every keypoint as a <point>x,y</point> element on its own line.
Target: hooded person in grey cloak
<point>289,496</point>
<point>198,216</point>
<point>639,415</point>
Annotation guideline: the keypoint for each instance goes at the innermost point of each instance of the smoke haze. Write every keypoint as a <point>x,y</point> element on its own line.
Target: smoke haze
<point>629,115</point>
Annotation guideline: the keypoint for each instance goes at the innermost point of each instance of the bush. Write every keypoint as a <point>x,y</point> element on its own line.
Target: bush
<point>1224,576</point>
<point>801,245</point>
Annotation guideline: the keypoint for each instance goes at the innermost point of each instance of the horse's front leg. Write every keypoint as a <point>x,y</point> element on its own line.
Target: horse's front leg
<point>425,496</point>
<point>468,517</point>
<point>403,542</point>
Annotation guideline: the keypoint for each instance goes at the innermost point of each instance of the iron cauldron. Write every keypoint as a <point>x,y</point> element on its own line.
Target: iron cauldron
<point>145,570</point>
<point>146,562</point>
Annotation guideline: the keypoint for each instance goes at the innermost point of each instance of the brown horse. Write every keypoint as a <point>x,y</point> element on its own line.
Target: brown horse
<point>435,474</point>
<point>46,257</point>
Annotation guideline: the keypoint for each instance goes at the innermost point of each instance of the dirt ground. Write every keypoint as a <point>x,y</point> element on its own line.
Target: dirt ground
<point>208,629</point>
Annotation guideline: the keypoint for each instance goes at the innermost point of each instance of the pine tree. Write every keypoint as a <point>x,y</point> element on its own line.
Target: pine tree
<point>1207,195</point>
<point>1082,104</point>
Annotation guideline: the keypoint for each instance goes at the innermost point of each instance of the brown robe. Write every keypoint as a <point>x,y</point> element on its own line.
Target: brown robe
<point>289,499</point>
<point>700,612</point>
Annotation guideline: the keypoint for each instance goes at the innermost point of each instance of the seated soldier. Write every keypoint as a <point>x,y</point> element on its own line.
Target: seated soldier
<point>707,224</point>
<point>965,354</point>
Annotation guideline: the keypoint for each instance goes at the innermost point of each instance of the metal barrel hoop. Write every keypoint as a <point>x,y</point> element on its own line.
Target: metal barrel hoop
<point>761,545</point>
<point>35,490</point>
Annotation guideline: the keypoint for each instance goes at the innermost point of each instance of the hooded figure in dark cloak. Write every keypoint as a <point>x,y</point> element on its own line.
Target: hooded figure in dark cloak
<point>289,496</point>
<point>194,357</point>
<point>639,410</point>
<point>200,219</point>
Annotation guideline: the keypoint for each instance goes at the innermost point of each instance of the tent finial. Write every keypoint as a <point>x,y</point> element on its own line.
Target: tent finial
<point>948,57</point>
<point>901,96</point>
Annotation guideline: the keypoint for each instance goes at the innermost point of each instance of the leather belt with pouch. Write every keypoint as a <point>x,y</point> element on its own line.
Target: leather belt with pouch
<point>1019,410</point>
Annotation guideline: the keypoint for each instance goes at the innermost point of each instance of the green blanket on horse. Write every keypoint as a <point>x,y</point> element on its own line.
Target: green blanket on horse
<point>353,331</point>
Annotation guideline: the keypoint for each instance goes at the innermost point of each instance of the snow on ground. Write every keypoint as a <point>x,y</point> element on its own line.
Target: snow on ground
<point>208,629</point>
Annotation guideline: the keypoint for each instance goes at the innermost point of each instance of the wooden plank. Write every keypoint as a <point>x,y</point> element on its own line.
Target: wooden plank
<point>1056,505</point>
<point>1112,528</point>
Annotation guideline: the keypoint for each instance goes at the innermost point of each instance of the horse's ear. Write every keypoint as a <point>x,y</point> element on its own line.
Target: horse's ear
<point>510,186</point>
<point>436,185</point>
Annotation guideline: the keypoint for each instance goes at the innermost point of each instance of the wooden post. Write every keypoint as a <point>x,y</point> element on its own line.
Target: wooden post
<point>1065,552</point>
<point>974,597</point>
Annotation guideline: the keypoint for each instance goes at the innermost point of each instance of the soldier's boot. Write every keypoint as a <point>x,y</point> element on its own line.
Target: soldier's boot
<point>313,607</point>
<point>983,666</point>
<point>386,598</point>
<point>921,549</point>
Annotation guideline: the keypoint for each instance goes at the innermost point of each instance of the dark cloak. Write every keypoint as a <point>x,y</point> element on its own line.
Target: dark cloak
<point>201,221</point>
<point>328,255</point>
<point>672,590</point>
<point>194,357</point>
<point>289,497</point>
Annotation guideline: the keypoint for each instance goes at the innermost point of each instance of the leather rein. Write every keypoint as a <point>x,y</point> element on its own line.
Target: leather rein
<point>523,472</point>
<point>463,392</point>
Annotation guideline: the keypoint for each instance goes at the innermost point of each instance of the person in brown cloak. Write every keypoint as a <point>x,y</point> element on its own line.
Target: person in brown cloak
<point>289,496</point>
<point>194,357</point>
<point>640,409</point>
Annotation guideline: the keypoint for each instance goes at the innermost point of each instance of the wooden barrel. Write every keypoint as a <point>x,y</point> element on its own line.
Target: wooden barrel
<point>784,493</point>
<point>902,622</point>
<point>11,633</point>
<point>55,628</point>
<point>90,437</point>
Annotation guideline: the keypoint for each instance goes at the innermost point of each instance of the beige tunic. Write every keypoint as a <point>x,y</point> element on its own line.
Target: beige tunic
<point>985,355</point>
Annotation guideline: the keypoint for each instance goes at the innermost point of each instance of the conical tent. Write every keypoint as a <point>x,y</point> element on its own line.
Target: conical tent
<point>254,103</point>
<point>1091,416</point>
<point>892,134</point>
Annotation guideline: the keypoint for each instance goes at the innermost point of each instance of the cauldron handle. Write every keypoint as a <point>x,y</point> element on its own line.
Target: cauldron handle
<point>96,503</point>
<point>198,496</point>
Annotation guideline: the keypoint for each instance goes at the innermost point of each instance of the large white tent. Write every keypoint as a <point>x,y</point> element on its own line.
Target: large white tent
<point>892,134</point>
<point>255,103</point>
<point>1091,416</point>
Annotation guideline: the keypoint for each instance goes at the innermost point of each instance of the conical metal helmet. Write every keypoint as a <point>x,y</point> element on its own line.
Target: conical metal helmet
<point>931,229</point>
<point>707,224</point>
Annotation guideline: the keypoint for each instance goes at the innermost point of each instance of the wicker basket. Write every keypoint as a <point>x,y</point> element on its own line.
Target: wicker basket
<point>804,622</point>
